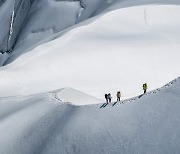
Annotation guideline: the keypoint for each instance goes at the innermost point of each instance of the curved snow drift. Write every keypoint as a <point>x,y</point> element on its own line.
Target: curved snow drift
<point>97,57</point>
<point>76,97</point>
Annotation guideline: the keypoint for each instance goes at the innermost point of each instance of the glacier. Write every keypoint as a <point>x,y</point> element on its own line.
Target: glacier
<point>96,56</point>
<point>20,12</point>
<point>16,17</point>
<point>58,59</point>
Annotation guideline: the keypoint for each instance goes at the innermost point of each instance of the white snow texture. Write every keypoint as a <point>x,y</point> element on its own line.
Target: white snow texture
<point>67,54</point>
<point>119,49</point>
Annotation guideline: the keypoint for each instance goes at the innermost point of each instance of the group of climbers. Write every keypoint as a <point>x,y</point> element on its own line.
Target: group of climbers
<point>108,97</point>
<point>118,95</point>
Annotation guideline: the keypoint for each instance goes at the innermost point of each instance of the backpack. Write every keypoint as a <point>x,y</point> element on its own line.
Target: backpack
<point>118,94</point>
<point>144,86</point>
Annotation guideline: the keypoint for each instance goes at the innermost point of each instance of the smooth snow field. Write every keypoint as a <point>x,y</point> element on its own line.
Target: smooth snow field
<point>118,50</point>
<point>42,123</point>
<point>59,57</point>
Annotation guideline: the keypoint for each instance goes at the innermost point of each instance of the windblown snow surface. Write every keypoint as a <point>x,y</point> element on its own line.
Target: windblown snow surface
<point>42,123</point>
<point>119,49</point>
<point>96,47</point>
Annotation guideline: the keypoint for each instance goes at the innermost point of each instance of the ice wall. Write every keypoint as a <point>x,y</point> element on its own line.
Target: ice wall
<point>6,10</point>
<point>15,13</point>
<point>18,17</point>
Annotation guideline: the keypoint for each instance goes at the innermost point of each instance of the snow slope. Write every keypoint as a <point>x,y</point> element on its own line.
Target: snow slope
<point>30,23</point>
<point>119,50</point>
<point>36,20</point>
<point>127,44</point>
<point>75,97</point>
<point>5,19</point>
<point>43,124</point>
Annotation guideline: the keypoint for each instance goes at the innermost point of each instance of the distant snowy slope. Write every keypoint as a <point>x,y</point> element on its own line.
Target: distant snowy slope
<point>44,19</point>
<point>13,14</point>
<point>42,124</point>
<point>51,15</point>
<point>117,51</point>
<point>35,20</point>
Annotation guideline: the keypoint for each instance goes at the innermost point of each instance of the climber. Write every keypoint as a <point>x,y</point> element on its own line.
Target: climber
<point>109,97</point>
<point>106,97</point>
<point>118,96</point>
<point>145,87</point>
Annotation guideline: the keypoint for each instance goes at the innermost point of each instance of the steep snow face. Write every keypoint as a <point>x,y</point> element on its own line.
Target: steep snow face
<point>43,124</point>
<point>3,58</point>
<point>14,19</point>
<point>45,18</point>
<point>6,11</point>
<point>50,15</point>
<point>20,12</point>
<point>36,26</point>
<point>56,15</point>
<point>98,57</point>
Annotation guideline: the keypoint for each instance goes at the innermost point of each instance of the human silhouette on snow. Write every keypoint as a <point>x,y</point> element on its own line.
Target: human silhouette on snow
<point>118,96</point>
<point>109,97</point>
<point>145,87</point>
<point>106,97</point>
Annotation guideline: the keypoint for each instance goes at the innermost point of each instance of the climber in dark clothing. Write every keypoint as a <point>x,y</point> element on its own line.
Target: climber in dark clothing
<point>109,97</point>
<point>106,97</point>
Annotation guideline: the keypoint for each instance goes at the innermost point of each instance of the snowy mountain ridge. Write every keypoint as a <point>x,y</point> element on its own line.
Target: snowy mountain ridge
<point>92,47</point>
<point>142,47</point>
<point>46,125</point>
<point>18,16</point>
